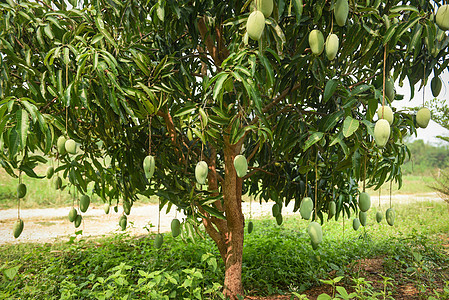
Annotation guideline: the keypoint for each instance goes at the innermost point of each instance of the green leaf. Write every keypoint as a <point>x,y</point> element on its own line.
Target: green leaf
<point>214,212</point>
<point>350,125</point>
<point>329,89</point>
<point>313,138</point>
<point>185,110</point>
<point>23,123</point>
<point>221,78</point>
<point>11,272</point>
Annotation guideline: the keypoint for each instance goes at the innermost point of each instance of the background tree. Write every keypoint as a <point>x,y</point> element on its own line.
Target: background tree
<point>180,80</point>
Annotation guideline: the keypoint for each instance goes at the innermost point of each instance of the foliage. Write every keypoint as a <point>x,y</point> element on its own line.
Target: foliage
<point>129,266</point>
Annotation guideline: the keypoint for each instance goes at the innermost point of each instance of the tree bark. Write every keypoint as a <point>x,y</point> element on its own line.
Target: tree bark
<point>232,193</point>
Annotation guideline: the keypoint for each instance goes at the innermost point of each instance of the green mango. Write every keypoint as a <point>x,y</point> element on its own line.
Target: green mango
<point>385,112</point>
<point>442,17</point>
<point>381,132</point>
<point>106,208</point>
<point>250,227</point>
<point>423,117</point>
<point>379,217</point>
<point>201,171</point>
<point>255,25</point>
<point>84,203</point>
<point>316,41</point>
<point>149,164</point>
<point>362,218</point>
<point>175,227</point>
<point>123,221</point>
<point>127,207</point>
<point>17,228</point>
<point>315,232</point>
<point>50,172</point>
<point>356,224</point>
<point>78,220</point>
<point>306,208</point>
<point>332,209</point>
<point>275,210</point>
<point>158,240</point>
<point>341,10</point>
<point>364,201</point>
<point>70,146</point>
<point>332,44</point>
<point>279,219</point>
<point>240,165</point>
<point>72,214</point>
<point>60,144</point>
<point>389,216</point>
<point>389,89</point>
<point>57,182</point>
<point>435,85</point>
<point>265,6</point>
<point>21,190</point>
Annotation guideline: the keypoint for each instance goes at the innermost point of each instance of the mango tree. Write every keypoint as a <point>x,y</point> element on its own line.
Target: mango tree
<point>293,86</point>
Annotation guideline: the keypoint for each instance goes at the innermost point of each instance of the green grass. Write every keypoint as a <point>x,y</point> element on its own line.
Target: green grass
<point>411,184</point>
<point>277,260</point>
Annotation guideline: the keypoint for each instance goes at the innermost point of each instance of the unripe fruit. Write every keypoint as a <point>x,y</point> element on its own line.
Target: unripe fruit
<point>364,201</point>
<point>442,17</point>
<point>17,228</point>
<point>275,210</point>
<point>78,220</point>
<point>250,227</point>
<point>72,214</point>
<point>50,172</point>
<point>84,203</point>
<point>70,146</point>
<point>385,112</point>
<point>123,221</point>
<point>316,42</point>
<point>21,190</point>
<point>315,233</point>
<point>332,209</point>
<point>356,224</point>
<point>240,165</point>
<point>435,85</point>
<point>279,219</point>
<point>332,44</point>
<point>60,144</point>
<point>255,25</point>
<point>175,227</point>
<point>265,6</point>
<point>158,240</point>
<point>381,132</point>
<point>106,208</point>
<point>149,163</point>
<point>389,215</point>
<point>201,171</point>
<point>423,117</point>
<point>341,11</point>
<point>127,207</point>
<point>306,208</point>
<point>389,89</point>
<point>379,217</point>
<point>57,182</point>
<point>362,217</point>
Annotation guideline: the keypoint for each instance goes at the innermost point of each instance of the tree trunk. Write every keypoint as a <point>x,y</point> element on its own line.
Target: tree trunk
<point>232,193</point>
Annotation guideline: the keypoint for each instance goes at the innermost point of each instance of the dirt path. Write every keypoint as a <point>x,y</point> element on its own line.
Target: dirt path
<point>51,224</point>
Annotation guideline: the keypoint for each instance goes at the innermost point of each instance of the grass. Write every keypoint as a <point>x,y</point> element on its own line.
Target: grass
<point>277,260</point>
<point>411,184</point>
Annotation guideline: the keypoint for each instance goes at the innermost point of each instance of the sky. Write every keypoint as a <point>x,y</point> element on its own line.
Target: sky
<point>428,134</point>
